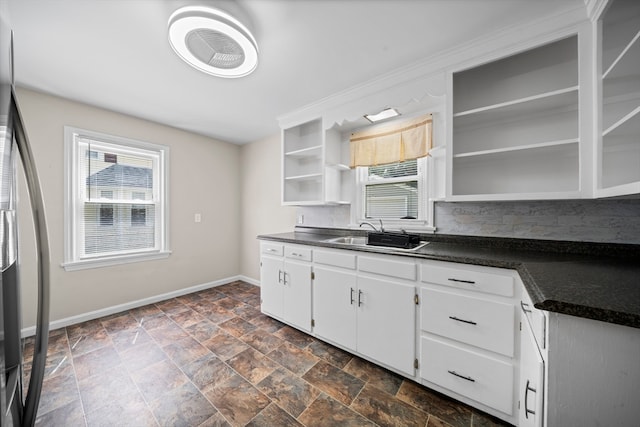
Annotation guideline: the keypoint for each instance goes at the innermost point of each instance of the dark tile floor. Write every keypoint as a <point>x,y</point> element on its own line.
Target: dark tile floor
<point>212,359</point>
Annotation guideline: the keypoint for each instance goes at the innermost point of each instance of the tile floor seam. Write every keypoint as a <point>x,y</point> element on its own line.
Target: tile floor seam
<point>75,377</point>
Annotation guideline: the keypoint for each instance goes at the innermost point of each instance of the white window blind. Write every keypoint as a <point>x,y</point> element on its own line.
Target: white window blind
<point>391,191</point>
<point>115,225</point>
<point>117,198</point>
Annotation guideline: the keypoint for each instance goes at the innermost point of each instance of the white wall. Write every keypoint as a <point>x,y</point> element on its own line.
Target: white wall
<point>205,177</point>
<point>261,212</point>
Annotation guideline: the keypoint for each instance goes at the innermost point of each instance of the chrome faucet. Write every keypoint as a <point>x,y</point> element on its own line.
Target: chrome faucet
<point>373,226</point>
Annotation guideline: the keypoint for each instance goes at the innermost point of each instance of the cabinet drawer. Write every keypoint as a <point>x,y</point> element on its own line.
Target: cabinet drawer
<point>300,253</point>
<point>478,322</point>
<point>536,318</point>
<point>271,248</point>
<point>478,377</point>
<point>336,259</point>
<point>388,267</point>
<point>462,276</point>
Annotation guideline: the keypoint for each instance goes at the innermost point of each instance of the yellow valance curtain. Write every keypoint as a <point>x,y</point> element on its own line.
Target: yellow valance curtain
<point>392,143</point>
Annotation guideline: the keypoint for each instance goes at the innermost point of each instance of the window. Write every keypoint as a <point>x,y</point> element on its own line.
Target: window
<point>397,193</point>
<point>116,201</point>
<point>392,173</point>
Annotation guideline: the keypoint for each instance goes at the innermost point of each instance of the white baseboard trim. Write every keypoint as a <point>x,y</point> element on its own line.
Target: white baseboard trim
<point>68,321</point>
<point>249,280</point>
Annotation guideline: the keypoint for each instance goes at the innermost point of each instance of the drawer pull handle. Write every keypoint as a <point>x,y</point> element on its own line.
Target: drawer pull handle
<point>525,307</point>
<point>471,282</point>
<point>462,376</point>
<point>296,254</point>
<point>528,411</point>
<point>272,250</point>
<point>471,322</point>
<point>351,296</point>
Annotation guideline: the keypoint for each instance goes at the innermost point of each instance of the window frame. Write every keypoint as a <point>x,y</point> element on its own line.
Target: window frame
<point>74,199</point>
<point>424,222</point>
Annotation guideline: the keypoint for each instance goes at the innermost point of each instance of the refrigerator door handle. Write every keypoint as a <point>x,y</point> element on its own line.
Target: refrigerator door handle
<point>42,252</point>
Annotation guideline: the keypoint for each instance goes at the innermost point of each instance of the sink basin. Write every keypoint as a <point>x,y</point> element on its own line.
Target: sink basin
<point>349,240</point>
<point>362,241</point>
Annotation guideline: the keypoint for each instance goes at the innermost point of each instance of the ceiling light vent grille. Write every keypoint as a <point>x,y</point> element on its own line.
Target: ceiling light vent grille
<point>213,42</point>
<point>215,48</point>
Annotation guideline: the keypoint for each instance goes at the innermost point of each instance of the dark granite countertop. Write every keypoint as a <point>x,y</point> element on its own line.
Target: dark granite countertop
<point>598,281</point>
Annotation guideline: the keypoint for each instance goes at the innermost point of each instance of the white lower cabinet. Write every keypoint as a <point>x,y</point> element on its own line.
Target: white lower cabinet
<point>386,322</point>
<point>334,299</point>
<point>285,290</point>
<point>373,315</point>
<point>464,343</point>
<point>531,393</point>
<point>467,334</point>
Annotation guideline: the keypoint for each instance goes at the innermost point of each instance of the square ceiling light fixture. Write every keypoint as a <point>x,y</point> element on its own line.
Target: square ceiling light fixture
<point>213,41</point>
<point>387,113</point>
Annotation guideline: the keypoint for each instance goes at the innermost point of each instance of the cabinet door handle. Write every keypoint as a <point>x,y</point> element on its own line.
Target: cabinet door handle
<point>471,282</point>
<point>528,411</point>
<point>284,276</point>
<point>279,276</point>
<point>462,376</point>
<point>351,295</point>
<point>470,322</point>
<point>359,297</point>
<point>525,307</point>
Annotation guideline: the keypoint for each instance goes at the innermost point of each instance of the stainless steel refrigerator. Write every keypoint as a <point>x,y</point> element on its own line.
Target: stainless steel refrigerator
<point>16,409</point>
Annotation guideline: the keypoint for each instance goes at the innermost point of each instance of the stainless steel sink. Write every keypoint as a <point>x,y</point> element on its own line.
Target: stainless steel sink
<point>348,240</point>
<point>362,241</point>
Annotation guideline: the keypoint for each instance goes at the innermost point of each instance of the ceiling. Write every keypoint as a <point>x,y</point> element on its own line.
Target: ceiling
<point>115,54</point>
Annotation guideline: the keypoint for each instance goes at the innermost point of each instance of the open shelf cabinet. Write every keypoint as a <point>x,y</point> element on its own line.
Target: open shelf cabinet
<point>515,128</point>
<point>311,165</point>
<point>618,64</point>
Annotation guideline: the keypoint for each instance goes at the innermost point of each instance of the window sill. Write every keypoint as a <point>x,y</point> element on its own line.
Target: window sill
<point>116,260</point>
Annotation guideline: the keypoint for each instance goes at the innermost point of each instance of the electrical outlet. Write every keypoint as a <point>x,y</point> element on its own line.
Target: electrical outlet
<point>300,219</point>
<point>197,217</point>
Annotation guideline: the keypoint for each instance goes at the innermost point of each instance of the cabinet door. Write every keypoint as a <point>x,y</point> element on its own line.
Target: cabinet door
<point>531,380</point>
<point>297,294</point>
<point>271,288</point>
<point>334,299</point>
<point>386,322</point>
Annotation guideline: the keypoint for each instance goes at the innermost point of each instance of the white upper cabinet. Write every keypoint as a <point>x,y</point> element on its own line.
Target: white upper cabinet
<point>315,138</point>
<point>312,165</point>
<point>516,126</point>
<point>618,80</point>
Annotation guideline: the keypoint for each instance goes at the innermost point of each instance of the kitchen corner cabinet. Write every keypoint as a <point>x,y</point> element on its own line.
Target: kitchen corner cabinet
<point>515,128</point>
<point>532,364</point>
<point>285,283</point>
<point>618,71</point>
<point>311,164</point>
<point>364,306</point>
